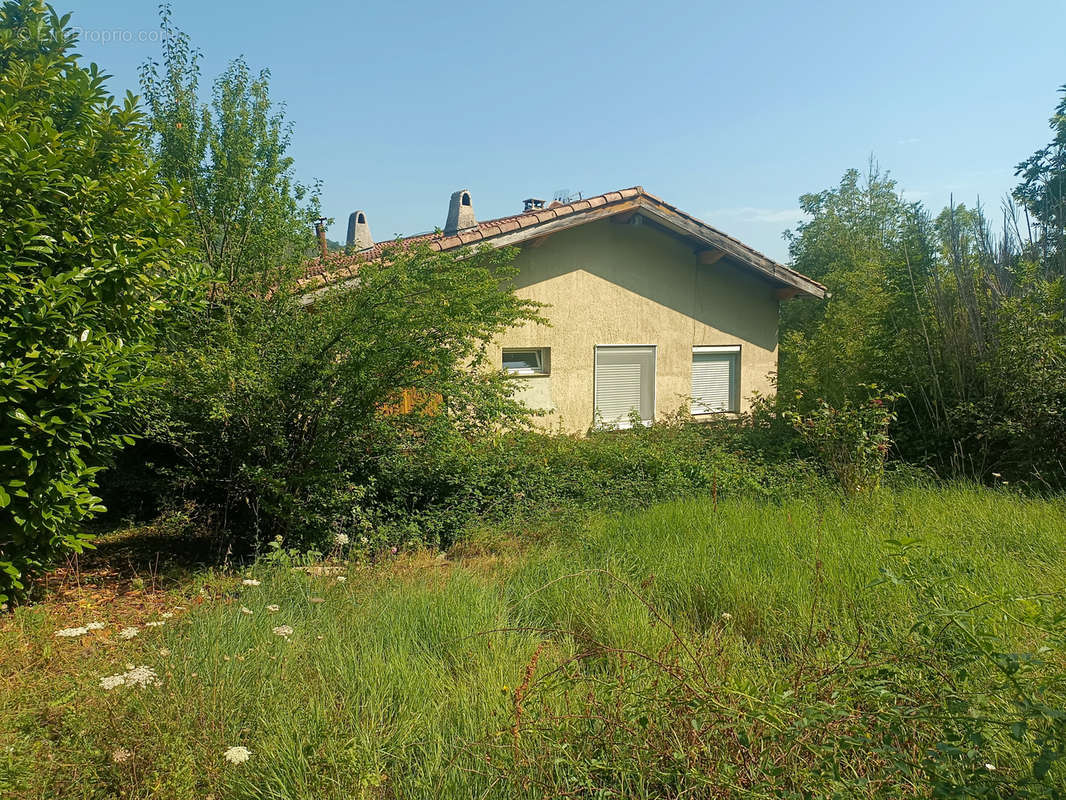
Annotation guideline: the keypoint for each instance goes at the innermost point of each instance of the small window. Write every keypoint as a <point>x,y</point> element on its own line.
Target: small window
<point>530,361</point>
<point>715,379</point>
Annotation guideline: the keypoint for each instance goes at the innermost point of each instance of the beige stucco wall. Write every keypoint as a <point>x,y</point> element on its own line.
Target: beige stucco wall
<point>609,283</point>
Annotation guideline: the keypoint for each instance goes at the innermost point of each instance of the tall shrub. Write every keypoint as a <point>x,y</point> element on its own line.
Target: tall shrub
<point>272,414</point>
<point>88,239</point>
<point>850,440</point>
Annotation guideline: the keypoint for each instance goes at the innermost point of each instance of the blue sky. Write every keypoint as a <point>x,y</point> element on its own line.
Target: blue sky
<point>727,110</point>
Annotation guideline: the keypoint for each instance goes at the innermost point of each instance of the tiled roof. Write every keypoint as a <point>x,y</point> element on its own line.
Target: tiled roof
<point>521,227</point>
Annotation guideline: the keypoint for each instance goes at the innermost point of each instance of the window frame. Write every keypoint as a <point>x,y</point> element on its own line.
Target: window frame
<point>625,424</point>
<point>733,351</point>
<point>543,357</point>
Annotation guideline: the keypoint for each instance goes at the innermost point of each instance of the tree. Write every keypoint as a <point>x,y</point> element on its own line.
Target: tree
<point>247,213</point>
<point>964,325</point>
<point>859,241</point>
<point>275,418</point>
<point>89,248</point>
<point>1042,192</point>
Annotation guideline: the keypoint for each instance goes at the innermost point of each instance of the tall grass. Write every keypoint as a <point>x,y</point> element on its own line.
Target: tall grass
<point>433,676</point>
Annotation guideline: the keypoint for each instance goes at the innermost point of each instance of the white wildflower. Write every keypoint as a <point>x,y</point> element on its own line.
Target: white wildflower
<point>156,624</point>
<point>237,755</point>
<point>128,633</point>
<point>141,676</point>
<point>120,755</point>
<point>990,767</point>
<point>726,616</point>
<point>341,539</point>
<point>250,582</point>
<point>133,676</point>
<point>245,610</point>
<point>283,630</point>
<point>273,607</point>
<point>364,540</point>
<point>111,681</point>
<point>72,632</point>
<point>341,578</point>
<point>96,626</point>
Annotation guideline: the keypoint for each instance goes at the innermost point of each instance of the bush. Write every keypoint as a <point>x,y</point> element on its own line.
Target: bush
<point>273,417</point>
<point>852,440</point>
<point>88,240</point>
<point>433,487</point>
<point>425,479</point>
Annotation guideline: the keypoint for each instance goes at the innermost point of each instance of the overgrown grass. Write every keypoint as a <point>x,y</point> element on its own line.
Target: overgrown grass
<point>709,649</point>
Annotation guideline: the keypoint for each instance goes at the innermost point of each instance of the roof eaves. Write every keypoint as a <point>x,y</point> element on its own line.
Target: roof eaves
<point>522,227</point>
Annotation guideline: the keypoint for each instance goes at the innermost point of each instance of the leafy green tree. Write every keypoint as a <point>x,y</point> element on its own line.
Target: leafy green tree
<point>247,212</point>
<point>1042,191</point>
<point>89,243</point>
<point>861,241</point>
<point>966,327</point>
<point>278,417</point>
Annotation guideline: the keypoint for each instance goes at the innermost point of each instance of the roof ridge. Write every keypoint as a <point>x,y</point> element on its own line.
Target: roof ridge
<point>342,265</point>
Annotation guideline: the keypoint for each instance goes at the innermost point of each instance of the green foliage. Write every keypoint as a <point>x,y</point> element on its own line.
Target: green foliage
<point>431,487</point>
<point>273,416</point>
<point>997,697</point>
<point>89,243</point>
<point>852,440</point>
<point>247,213</point>
<point>968,328</point>
<point>1043,193</point>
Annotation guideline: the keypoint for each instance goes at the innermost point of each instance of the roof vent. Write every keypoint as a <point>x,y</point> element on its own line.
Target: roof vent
<point>359,231</point>
<point>460,213</point>
<point>533,204</point>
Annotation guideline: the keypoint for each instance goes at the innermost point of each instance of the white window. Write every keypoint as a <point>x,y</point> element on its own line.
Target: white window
<point>624,382</point>
<point>527,361</point>
<point>715,379</point>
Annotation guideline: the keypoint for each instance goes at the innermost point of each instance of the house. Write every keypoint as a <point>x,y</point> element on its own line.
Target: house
<point>651,309</point>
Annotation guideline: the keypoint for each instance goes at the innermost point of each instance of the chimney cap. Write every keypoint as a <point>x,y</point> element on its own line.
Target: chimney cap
<point>359,231</point>
<point>460,212</point>
<point>533,203</point>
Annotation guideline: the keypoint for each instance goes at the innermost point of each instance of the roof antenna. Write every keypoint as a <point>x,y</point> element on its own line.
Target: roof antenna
<point>564,196</point>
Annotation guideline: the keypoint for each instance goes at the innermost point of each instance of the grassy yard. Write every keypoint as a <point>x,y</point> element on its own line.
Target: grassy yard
<point>744,649</point>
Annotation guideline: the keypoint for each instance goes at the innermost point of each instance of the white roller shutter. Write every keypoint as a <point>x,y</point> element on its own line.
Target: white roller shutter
<point>714,379</point>
<point>624,381</point>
